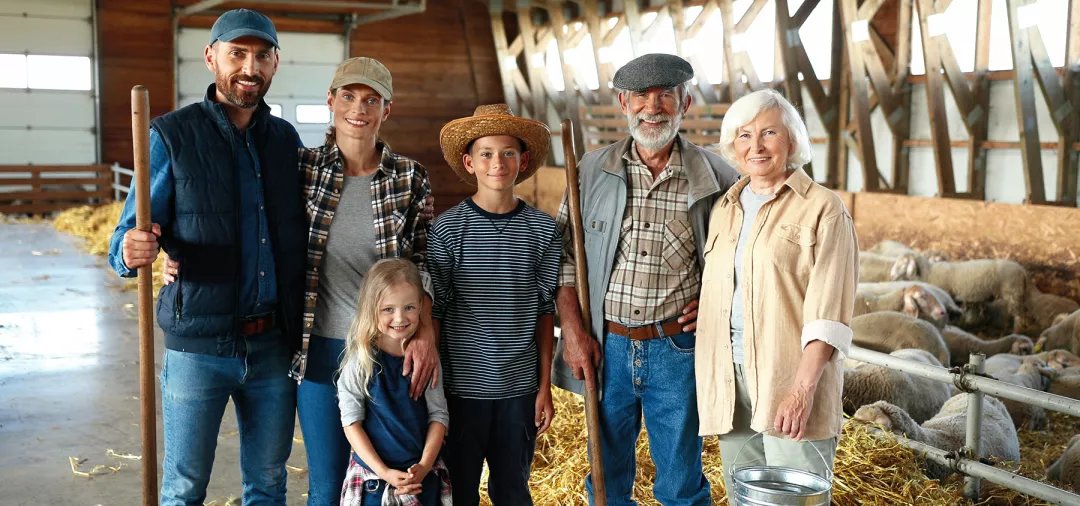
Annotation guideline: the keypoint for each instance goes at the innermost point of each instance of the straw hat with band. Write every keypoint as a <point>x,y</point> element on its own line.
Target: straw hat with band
<point>494,119</point>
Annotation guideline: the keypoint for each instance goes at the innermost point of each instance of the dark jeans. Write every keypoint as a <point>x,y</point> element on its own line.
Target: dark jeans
<point>320,421</point>
<point>502,431</point>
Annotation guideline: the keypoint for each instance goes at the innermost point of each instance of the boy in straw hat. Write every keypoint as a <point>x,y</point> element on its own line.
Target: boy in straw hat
<point>494,261</point>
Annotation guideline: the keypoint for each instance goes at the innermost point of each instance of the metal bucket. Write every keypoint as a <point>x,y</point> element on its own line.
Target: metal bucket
<point>772,485</point>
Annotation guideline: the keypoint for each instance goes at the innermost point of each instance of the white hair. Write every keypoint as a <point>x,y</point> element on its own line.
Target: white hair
<point>745,109</point>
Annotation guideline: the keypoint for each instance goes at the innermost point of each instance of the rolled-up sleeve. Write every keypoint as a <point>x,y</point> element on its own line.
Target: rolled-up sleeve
<point>830,294</point>
<point>435,399</point>
<point>351,397</point>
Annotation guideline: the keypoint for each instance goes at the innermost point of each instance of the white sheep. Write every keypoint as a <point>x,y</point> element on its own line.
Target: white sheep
<point>874,267</point>
<point>920,397</point>
<point>962,344</point>
<point>947,428</point>
<point>888,331</point>
<point>1063,336</point>
<point>891,248</point>
<point>1067,383</point>
<point>978,281</point>
<point>1036,375</point>
<point>1007,363</point>
<point>1044,311</point>
<point>941,297</point>
<point>914,301</point>
<point>1067,468</point>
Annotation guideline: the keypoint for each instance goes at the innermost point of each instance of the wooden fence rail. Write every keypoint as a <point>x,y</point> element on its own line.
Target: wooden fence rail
<point>40,189</point>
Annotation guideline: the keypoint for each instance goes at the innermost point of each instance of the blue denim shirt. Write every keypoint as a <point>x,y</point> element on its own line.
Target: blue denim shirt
<point>258,283</point>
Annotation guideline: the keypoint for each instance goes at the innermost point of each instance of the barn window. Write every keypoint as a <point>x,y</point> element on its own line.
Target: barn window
<point>12,71</point>
<point>308,113</point>
<point>58,72</point>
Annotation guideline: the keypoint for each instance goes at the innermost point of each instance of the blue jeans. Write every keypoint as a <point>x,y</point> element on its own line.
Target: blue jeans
<point>654,378</point>
<point>429,491</point>
<point>194,391</point>
<point>320,420</point>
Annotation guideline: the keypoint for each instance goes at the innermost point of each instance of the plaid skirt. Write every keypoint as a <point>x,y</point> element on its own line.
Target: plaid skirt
<point>352,491</point>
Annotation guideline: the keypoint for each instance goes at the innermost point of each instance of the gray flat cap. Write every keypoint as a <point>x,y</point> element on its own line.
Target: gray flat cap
<point>654,70</point>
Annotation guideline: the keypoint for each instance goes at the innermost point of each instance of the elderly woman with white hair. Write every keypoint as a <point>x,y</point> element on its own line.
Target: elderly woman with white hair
<point>781,266</point>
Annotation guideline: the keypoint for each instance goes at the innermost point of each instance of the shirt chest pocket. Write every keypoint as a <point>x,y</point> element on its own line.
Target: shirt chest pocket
<point>792,248</point>
<point>678,245</point>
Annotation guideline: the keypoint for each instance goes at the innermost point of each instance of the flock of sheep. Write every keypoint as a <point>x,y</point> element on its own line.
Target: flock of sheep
<point>919,306</point>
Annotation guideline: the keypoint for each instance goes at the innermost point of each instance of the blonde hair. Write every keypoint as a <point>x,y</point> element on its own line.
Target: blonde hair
<point>745,109</point>
<point>364,330</point>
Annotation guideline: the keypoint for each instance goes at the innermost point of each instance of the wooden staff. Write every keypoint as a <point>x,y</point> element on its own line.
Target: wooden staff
<point>140,136</point>
<point>581,276</point>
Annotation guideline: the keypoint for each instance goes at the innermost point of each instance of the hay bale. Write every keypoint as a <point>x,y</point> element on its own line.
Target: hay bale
<point>95,225</point>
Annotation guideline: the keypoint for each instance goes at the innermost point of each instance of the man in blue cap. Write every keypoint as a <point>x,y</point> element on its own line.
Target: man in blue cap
<point>646,200</point>
<point>226,201</point>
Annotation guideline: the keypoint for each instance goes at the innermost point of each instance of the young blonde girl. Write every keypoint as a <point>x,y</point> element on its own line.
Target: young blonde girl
<point>395,440</point>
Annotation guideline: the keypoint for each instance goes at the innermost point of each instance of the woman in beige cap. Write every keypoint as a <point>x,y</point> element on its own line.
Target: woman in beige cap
<point>364,203</point>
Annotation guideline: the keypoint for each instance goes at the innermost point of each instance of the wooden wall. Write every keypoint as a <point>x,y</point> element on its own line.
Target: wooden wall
<point>443,63</point>
<point>136,47</point>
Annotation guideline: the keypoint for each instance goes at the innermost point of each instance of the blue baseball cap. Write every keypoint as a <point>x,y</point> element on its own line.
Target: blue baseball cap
<point>243,23</point>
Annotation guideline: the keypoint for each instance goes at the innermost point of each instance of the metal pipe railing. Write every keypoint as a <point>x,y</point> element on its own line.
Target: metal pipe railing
<point>974,426</point>
<point>118,188</point>
<point>972,382</point>
<point>977,469</point>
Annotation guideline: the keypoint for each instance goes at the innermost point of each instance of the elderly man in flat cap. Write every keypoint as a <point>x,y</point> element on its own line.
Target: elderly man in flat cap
<point>645,202</point>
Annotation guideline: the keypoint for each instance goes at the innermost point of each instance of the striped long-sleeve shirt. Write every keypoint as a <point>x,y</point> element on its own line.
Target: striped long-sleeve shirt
<point>494,275</point>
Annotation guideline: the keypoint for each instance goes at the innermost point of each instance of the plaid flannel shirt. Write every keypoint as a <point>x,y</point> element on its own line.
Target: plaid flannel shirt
<point>352,494</point>
<point>398,191</point>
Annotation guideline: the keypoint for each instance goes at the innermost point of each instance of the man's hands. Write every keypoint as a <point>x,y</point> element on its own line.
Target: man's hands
<point>141,248</point>
<point>689,316</point>
<point>581,353</point>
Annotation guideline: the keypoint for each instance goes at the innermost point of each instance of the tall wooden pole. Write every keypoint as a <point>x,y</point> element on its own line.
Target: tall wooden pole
<point>140,134</point>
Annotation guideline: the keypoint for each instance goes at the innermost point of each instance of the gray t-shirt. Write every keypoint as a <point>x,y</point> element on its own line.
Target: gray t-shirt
<point>751,204</point>
<point>350,252</point>
<point>352,403</point>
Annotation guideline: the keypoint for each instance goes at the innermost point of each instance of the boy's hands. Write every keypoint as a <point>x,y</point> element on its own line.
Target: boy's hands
<point>415,476</point>
<point>545,410</point>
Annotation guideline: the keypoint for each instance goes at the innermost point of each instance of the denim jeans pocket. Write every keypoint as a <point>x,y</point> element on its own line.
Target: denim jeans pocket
<point>682,343</point>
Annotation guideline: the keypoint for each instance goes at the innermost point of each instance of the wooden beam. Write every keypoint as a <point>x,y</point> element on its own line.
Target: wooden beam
<point>506,60</point>
<point>789,41</point>
<point>699,23</point>
<point>633,22</point>
<point>1025,106</point>
<point>592,22</point>
<point>869,8</point>
<point>959,84</point>
<point>613,33</point>
<point>901,92</point>
<point>734,85</point>
<point>803,13</point>
<point>678,24</point>
<point>1069,162</point>
<point>516,46</point>
<point>813,84</point>
<point>569,88</point>
<point>836,117</point>
<point>882,86</point>
<point>981,95</point>
<point>888,59</point>
<point>536,75</point>
<point>935,102</point>
<point>750,15</point>
<point>860,99</point>
<point>1060,108</point>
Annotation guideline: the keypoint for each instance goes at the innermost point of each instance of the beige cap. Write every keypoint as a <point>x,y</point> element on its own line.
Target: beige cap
<point>363,70</point>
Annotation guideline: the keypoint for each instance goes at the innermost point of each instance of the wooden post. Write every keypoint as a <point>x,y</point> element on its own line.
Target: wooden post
<point>839,97</point>
<point>981,95</point>
<point>935,102</point>
<point>536,77</point>
<point>506,61</point>
<point>1025,106</point>
<point>787,36</point>
<point>859,99</point>
<point>633,22</point>
<point>140,132</point>
<point>558,20</point>
<point>592,22</point>
<point>1068,152</point>
<point>902,92</point>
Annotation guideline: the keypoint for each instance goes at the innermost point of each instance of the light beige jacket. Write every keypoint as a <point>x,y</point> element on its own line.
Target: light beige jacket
<point>800,271</point>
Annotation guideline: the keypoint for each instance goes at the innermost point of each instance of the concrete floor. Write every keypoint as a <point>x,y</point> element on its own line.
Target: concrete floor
<point>69,380</point>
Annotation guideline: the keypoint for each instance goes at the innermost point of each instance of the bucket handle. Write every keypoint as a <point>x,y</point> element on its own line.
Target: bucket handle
<point>731,470</point>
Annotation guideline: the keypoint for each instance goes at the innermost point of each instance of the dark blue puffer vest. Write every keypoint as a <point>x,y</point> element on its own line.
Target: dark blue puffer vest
<point>199,312</point>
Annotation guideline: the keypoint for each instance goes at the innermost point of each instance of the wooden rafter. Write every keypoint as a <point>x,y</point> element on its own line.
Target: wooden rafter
<point>569,86</point>
<point>507,67</point>
<point>1025,104</point>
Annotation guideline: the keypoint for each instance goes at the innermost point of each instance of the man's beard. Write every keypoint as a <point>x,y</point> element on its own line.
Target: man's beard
<point>653,138</point>
<point>243,99</point>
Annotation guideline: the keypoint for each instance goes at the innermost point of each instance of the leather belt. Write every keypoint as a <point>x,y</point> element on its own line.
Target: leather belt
<point>253,325</point>
<point>645,332</point>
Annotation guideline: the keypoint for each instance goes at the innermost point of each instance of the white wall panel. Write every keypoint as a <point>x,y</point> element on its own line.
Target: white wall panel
<point>19,147</point>
<point>51,8</point>
<point>68,37</point>
<point>46,109</point>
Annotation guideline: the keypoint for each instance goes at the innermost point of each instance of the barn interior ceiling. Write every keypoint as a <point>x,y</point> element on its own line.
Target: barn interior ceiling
<point>351,11</point>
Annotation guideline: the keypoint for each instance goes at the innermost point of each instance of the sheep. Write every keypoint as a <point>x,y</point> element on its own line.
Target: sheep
<point>891,248</point>
<point>1036,375</point>
<point>940,296</point>
<point>874,267</point>
<point>962,344</point>
<point>1067,468</point>
<point>1067,384</point>
<point>934,255</point>
<point>920,397</point>
<point>1044,311</point>
<point>977,281</point>
<point>888,331</point>
<point>1063,336</point>
<point>1006,363</point>
<point>914,301</point>
<point>947,428</point>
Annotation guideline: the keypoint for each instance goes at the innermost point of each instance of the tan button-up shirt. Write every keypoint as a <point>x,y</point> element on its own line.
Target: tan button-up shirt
<point>800,270</point>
